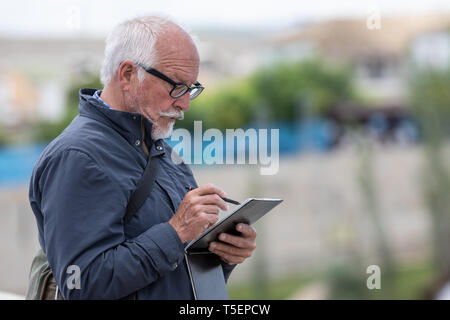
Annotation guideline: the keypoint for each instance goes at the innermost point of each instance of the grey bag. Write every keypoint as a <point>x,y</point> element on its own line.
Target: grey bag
<point>42,284</point>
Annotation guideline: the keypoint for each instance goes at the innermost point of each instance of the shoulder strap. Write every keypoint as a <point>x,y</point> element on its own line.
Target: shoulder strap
<point>143,188</point>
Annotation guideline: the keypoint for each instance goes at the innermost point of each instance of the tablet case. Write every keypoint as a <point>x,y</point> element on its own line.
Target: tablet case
<point>205,268</point>
<point>207,278</point>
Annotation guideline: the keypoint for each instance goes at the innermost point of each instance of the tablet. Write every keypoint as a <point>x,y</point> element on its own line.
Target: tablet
<point>250,211</point>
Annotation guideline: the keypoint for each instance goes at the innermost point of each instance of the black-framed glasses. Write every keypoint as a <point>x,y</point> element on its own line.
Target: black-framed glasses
<point>179,88</point>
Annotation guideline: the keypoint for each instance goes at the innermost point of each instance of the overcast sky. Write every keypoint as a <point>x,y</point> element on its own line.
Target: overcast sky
<point>96,17</point>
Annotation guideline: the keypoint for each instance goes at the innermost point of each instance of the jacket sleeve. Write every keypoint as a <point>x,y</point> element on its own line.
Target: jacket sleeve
<point>83,230</point>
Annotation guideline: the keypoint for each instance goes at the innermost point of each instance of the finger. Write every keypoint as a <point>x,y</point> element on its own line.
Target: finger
<point>238,241</point>
<point>230,250</point>
<point>210,189</point>
<point>228,258</point>
<point>246,230</point>
<point>213,199</point>
<point>211,218</point>
<point>211,209</point>
<point>197,202</point>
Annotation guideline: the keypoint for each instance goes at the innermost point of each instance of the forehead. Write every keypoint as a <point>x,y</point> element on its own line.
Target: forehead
<point>180,70</point>
<point>178,57</point>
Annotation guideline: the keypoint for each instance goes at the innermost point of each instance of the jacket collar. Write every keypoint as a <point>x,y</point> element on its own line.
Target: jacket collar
<point>130,125</point>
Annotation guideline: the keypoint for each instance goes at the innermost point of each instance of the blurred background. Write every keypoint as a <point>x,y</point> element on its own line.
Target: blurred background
<point>360,91</point>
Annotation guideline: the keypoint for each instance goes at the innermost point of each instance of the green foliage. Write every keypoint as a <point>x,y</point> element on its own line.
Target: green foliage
<point>412,281</point>
<point>278,289</point>
<point>3,138</point>
<point>280,92</point>
<point>293,89</point>
<point>346,282</point>
<point>430,98</point>
<point>284,91</point>
<point>231,106</point>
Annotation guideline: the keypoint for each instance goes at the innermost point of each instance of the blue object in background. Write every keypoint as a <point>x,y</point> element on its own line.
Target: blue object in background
<point>311,135</point>
<point>17,162</point>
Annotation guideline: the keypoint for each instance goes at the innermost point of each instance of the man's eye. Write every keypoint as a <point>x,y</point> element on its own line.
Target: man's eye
<point>179,89</point>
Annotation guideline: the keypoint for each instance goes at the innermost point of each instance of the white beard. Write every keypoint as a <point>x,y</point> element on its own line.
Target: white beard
<point>162,133</point>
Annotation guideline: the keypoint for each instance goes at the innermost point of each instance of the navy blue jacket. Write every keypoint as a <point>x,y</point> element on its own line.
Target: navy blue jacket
<point>79,191</point>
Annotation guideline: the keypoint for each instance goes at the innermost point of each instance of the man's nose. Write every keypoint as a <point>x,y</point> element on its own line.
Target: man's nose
<point>183,102</point>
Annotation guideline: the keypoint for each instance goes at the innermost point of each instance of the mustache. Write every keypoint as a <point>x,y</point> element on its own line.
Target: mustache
<point>179,115</point>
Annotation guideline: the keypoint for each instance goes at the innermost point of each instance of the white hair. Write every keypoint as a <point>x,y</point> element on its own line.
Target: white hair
<point>132,40</point>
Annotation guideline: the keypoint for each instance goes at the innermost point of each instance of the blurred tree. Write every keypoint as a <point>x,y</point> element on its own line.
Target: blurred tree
<point>3,138</point>
<point>346,281</point>
<point>45,131</point>
<point>282,92</point>
<point>430,99</point>
<point>369,194</point>
<point>312,83</point>
<point>286,92</point>
<point>230,106</point>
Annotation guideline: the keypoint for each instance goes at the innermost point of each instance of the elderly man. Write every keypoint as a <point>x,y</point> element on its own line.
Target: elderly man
<point>83,181</point>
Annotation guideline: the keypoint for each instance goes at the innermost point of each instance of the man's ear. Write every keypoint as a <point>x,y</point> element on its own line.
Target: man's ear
<point>125,74</point>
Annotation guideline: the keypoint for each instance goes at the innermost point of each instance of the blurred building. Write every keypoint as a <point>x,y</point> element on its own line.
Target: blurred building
<point>226,55</point>
<point>381,58</point>
<point>35,73</point>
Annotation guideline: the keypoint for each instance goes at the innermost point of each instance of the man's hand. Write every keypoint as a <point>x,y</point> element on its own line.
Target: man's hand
<point>235,249</point>
<point>198,211</point>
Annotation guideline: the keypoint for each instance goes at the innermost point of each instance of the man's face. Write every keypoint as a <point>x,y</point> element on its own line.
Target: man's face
<point>179,61</point>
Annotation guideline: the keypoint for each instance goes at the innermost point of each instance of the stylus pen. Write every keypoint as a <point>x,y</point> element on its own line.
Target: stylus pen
<point>224,199</point>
